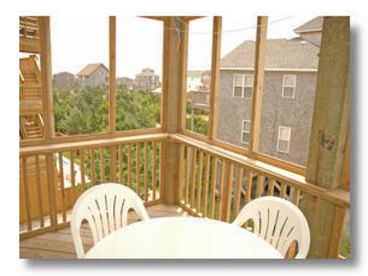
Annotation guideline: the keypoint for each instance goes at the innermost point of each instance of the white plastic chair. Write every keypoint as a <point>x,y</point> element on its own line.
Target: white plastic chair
<point>105,207</point>
<point>279,222</point>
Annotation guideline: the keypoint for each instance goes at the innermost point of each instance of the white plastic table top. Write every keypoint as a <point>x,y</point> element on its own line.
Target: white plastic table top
<point>182,237</point>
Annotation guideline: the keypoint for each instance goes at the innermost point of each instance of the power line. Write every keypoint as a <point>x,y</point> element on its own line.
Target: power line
<point>231,30</point>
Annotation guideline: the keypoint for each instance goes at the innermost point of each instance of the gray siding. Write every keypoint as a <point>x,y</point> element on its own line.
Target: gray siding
<point>99,77</point>
<point>276,110</point>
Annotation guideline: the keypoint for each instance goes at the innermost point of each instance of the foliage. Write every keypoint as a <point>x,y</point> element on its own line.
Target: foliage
<point>200,125</point>
<point>87,111</point>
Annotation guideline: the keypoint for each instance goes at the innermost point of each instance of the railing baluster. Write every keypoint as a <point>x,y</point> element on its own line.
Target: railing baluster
<point>229,187</point>
<point>72,176</point>
<point>192,184</point>
<point>129,165</point>
<point>61,171</point>
<point>259,185</point>
<point>83,180</point>
<point>199,182</point>
<point>248,187</point>
<point>283,190</point>
<point>213,187</point>
<point>120,153</point>
<point>186,190</point>
<point>206,182</point>
<point>296,198</point>
<point>112,164</point>
<point>93,168</point>
<point>26,195</point>
<point>221,189</point>
<point>146,171</point>
<point>181,167</point>
<point>161,175</point>
<point>137,169</point>
<point>52,181</point>
<point>271,186</point>
<point>39,191</point>
<point>239,181</point>
<point>154,170</point>
<point>102,165</point>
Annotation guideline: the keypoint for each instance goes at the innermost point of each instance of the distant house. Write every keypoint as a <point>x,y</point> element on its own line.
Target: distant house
<point>64,80</point>
<point>125,82</point>
<point>198,85</point>
<point>198,80</point>
<point>146,80</point>
<point>94,75</point>
<point>288,97</point>
<point>311,31</point>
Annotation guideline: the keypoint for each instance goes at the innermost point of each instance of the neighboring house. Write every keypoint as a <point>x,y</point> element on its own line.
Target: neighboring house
<point>94,75</point>
<point>200,100</point>
<point>198,80</point>
<point>146,80</point>
<point>64,80</point>
<point>125,82</point>
<point>288,97</point>
<point>198,85</point>
<point>311,31</point>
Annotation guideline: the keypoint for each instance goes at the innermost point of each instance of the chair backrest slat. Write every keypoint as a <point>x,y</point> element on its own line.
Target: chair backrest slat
<point>105,208</point>
<point>277,221</point>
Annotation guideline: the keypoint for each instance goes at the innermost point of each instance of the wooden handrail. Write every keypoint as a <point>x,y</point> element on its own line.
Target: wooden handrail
<point>78,145</point>
<point>338,197</point>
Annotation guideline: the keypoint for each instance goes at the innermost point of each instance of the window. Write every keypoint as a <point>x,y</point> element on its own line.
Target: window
<point>199,75</point>
<point>243,85</point>
<point>245,131</point>
<point>138,94</point>
<point>283,141</point>
<point>288,86</point>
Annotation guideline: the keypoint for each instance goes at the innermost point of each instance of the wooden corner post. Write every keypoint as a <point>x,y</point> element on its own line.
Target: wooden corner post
<point>215,75</point>
<point>329,137</point>
<point>259,64</point>
<point>175,47</point>
<point>47,102</point>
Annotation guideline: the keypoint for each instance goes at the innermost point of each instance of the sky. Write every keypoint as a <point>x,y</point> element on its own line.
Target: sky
<point>77,41</point>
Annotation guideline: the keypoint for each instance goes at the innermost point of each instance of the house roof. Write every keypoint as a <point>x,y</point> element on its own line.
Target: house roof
<point>90,68</point>
<point>314,25</point>
<point>293,53</point>
<point>197,73</point>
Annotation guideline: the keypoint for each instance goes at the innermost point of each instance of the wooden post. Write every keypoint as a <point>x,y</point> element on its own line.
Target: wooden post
<point>46,75</point>
<point>175,45</point>
<point>215,75</point>
<point>51,188</point>
<point>259,64</point>
<point>329,137</point>
<point>112,74</point>
<point>47,103</point>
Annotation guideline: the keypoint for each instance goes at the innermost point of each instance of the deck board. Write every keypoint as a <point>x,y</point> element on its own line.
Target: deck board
<point>59,244</point>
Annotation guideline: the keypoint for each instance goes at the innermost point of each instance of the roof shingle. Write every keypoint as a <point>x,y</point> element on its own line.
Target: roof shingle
<point>89,69</point>
<point>314,25</point>
<point>280,54</point>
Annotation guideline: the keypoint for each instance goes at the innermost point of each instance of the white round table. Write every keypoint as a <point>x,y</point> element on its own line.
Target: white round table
<point>178,237</point>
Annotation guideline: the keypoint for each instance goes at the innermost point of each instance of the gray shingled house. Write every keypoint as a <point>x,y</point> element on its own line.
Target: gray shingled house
<point>288,95</point>
<point>64,80</point>
<point>146,80</point>
<point>94,75</point>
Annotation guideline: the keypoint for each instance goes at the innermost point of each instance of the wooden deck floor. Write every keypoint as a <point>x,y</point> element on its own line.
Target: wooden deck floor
<point>59,244</point>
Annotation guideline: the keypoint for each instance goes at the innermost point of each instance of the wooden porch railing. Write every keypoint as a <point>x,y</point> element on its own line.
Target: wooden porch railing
<point>47,197</point>
<point>213,182</point>
<point>217,183</point>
